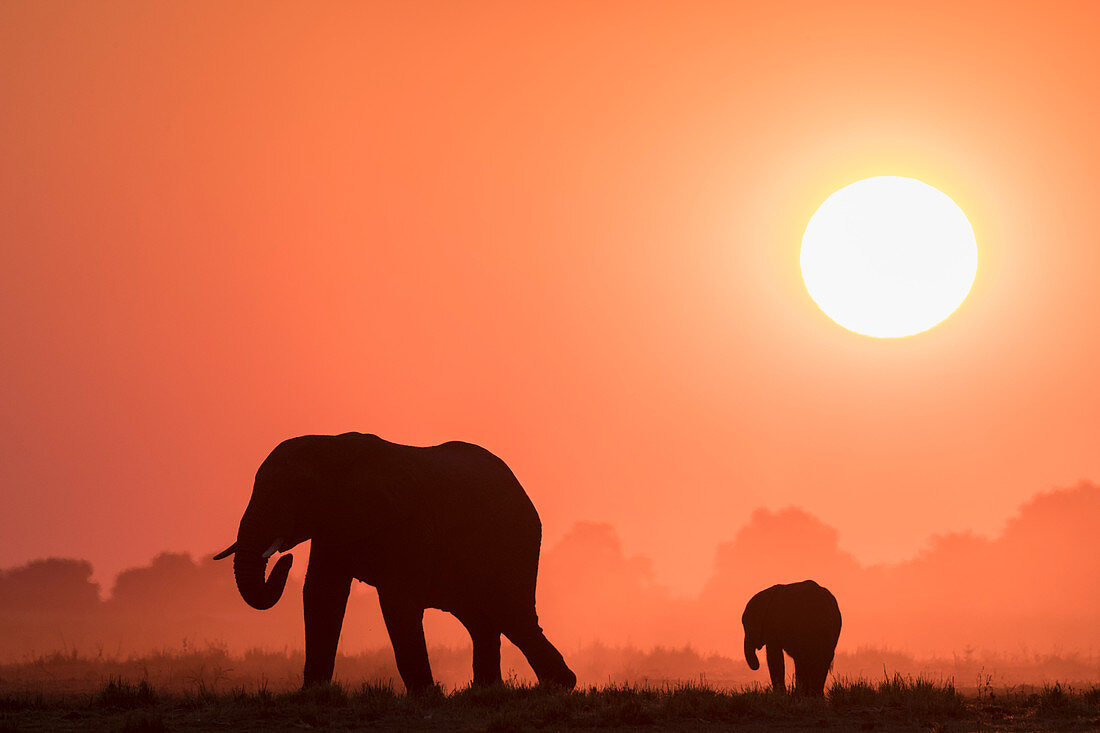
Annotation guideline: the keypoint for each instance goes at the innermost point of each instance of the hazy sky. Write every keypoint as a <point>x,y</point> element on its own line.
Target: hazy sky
<point>569,233</point>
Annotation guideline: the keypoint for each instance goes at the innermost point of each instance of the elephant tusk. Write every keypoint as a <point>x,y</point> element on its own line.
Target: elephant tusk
<point>226,552</point>
<point>274,546</point>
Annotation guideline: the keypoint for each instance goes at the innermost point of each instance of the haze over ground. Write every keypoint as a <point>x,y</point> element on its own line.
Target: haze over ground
<point>1022,605</point>
<point>568,233</point>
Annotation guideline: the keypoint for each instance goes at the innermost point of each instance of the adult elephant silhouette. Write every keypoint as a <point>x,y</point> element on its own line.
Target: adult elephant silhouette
<point>445,527</point>
<point>802,619</point>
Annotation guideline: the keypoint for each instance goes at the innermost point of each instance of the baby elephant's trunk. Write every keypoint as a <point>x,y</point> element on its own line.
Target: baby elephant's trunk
<point>750,654</point>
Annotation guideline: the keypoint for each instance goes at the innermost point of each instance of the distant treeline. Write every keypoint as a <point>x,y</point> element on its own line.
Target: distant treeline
<point>1033,589</point>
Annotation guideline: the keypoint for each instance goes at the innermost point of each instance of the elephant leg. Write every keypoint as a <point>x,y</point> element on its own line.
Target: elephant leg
<point>405,623</point>
<point>804,676</point>
<point>775,667</point>
<point>486,639</point>
<point>548,663</point>
<point>810,674</point>
<point>816,685</point>
<point>324,599</point>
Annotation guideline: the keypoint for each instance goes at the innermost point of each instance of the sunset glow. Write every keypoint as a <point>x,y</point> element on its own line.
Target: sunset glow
<point>889,256</point>
<point>742,294</point>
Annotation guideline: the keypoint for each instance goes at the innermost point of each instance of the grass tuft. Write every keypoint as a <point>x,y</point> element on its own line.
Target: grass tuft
<point>1063,701</point>
<point>331,695</point>
<point>28,701</point>
<point>908,695</point>
<point>123,695</point>
<point>374,701</point>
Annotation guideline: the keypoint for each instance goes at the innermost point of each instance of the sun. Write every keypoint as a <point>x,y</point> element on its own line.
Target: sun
<point>889,256</point>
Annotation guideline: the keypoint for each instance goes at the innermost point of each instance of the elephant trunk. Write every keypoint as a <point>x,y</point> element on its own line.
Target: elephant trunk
<point>750,654</point>
<point>248,569</point>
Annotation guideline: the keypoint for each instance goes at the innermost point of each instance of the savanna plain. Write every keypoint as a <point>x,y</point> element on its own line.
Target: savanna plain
<point>211,689</point>
<point>973,633</point>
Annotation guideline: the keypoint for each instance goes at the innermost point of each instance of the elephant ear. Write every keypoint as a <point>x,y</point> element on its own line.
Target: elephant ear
<point>763,604</point>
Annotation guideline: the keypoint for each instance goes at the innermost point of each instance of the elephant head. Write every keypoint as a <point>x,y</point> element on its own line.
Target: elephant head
<point>755,619</point>
<point>277,519</point>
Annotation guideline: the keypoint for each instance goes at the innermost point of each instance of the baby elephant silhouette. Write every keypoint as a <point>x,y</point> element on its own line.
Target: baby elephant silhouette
<point>801,619</point>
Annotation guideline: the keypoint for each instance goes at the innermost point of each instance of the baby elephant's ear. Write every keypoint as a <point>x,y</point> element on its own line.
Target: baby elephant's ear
<point>759,607</point>
<point>767,602</point>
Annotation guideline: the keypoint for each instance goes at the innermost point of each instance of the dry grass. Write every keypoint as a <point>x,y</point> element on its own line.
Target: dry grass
<point>211,689</point>
<point>893,703</point>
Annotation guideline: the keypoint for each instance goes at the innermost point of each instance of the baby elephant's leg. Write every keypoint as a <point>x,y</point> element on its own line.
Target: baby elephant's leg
<point>809,674</point>
<point>775,667</point>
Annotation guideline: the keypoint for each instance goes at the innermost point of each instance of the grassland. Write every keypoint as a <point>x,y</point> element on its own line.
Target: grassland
<point>896,703</point>
<point>661,689</point>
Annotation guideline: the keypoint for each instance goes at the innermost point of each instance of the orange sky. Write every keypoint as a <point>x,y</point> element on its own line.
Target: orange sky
<point>566,232</point>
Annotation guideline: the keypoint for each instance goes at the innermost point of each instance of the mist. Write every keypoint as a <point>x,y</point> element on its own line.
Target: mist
<point>1029,594</point>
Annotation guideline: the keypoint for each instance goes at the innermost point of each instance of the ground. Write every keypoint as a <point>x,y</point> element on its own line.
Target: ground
<point>897,704</point>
